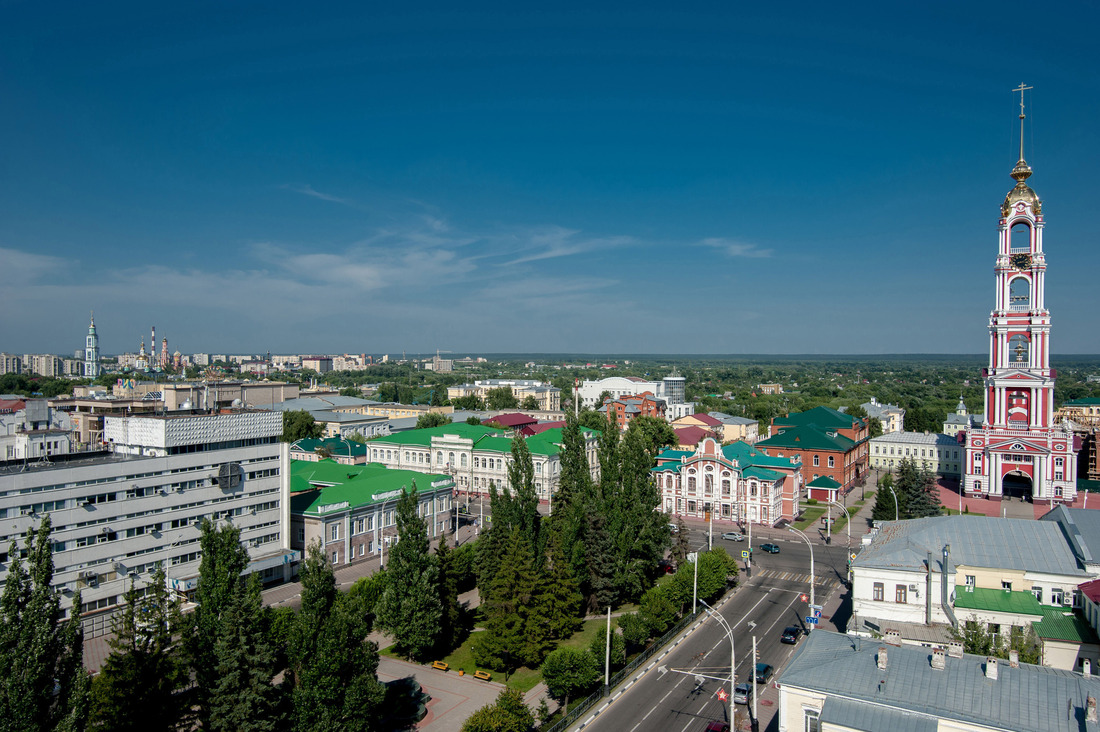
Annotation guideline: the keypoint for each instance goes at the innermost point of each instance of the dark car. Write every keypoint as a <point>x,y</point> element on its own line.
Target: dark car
<point>718,727</point>
<point>770,548</point>
<point>791,634</point>
<point>764,672</point>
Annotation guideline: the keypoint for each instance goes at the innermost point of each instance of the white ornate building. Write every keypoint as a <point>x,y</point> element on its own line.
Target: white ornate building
<point>1019,450</point>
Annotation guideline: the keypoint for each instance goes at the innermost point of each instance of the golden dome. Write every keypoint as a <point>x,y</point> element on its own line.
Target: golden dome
<point>1022,192</point>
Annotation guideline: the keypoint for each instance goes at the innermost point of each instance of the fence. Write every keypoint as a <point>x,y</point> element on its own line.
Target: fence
<point>579,708</point>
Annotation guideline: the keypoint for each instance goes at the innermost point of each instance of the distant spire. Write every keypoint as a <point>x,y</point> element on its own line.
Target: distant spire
<point>1022,88</point>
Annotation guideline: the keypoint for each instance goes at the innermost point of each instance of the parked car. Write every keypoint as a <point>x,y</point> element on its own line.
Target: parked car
<point>764,672</point>
<point>770,548</point>
<point>733,536</point>
<point>791,634</point>
<point>742,693</point>
<point>718,727</point>
<point>674,528</point>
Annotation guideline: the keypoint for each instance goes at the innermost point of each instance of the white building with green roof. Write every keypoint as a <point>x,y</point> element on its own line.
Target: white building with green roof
<point>349,509</point>
<point>736,483</point>
<point>477,455</point>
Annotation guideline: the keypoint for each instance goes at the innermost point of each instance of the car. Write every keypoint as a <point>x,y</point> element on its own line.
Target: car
<point>742,694</point>
<point>675,529</point>
<point>764,672</point>
<point>718,727</point>
<point>770,548</point>
<point>733,536</point>
<point>791,634</point>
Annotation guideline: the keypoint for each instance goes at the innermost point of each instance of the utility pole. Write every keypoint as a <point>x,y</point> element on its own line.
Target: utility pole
<point>607,655</point>
<point>753,672</point>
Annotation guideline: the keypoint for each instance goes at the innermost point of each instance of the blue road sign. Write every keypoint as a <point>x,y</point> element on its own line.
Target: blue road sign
<point>811,620</point>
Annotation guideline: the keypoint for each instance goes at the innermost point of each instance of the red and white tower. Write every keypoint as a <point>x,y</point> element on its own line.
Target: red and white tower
<point>1018,451</point>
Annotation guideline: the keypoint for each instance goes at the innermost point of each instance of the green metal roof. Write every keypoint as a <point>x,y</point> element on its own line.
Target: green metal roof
<point>489,439</point>
<point>1000,601</point>
<point>761,473</point>
<point>821,417</point>
<point>823,481</point>
<point>808,437</point>
<point>325,486</point>
<point>423,437</point>
<point>1064,625</point>
<point>335,445</point>
<point>1083,402</point>
<point>753,464</point>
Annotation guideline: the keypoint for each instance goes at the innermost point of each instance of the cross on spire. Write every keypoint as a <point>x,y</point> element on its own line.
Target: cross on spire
<point>1022,88</point>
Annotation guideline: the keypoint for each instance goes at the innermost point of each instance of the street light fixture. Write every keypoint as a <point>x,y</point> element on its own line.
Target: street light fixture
<point>733,652</point>
<point>695,585</point>
<point>812,583</point>
<point>848,525</point>
<point>894,493</point>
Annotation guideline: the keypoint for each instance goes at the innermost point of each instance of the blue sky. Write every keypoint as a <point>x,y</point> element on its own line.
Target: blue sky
<point>366,177</point>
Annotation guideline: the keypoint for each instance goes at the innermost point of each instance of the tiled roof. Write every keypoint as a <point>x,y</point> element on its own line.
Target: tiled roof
<point>808,437</point>
<point>1024,699</point>
<point>511,420</point>
<point>690,435</point>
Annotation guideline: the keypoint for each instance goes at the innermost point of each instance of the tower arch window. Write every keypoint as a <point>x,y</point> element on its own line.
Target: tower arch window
<point>1019,237</point>
<point>1019,294</point>
<point>1019,349</point>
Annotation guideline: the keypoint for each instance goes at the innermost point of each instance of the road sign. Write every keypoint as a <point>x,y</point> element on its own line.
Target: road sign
<point>744,554</point>
<point>816,613</point>
<point>811,620</point>
<point>815,607</point>
<point>853,555</point>
<point>804,598</point>
<point>722,695</point>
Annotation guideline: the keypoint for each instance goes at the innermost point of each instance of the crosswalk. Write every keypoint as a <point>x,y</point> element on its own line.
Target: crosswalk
<point>793,577</point>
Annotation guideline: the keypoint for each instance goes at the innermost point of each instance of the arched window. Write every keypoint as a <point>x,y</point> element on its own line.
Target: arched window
<point>1019,237</point>
<point>450,458</point>
<point>439,457</point>
<point>1019,294</point>
<point>708,484</point>
<point>463,459</point>
<point>1019,349</point>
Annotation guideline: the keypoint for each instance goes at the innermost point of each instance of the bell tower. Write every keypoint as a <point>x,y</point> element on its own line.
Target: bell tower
<point>91,352</point>
<point>1018,450</point>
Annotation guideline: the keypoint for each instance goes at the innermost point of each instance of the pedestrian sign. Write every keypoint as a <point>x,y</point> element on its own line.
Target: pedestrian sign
<point>744,554</point>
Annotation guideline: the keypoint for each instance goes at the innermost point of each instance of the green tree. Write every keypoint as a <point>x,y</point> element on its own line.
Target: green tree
<point>431,419</point>
<point>635,629</point>
<point>243,699</point>
<point>299,424</point>
<point>511,639</point>
<point>333,666</point>
<point>351,391</point>
<point>367,591</point>
<point>574,498</point>
<point>598,648</point>
<point>680,542</point>
<point>137,688</point>
<point>470,402</point>
<point>569,672</point>
<point>658,433</point>
<point>560,596</point>
<point>475,421</point>
<point>507,714</point>
<point>657,610</point>
<point>525,502</point>
<point>501,398</point>
<point>450,619</point>
<point>409,608</point>
<point>884,508</point>
<point>43,685</point>
<point>529,403</point>
<point>599,558</point>
<point>918,485</point>
<point>597,421</point>
<point>219,590</point>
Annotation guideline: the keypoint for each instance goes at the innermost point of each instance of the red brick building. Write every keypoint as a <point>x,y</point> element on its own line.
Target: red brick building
<point>626,408</point>
<point>829,443</point>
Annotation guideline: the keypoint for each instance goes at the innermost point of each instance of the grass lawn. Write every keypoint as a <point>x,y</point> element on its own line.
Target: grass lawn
<point>809,516</point>
<point>524,678</point>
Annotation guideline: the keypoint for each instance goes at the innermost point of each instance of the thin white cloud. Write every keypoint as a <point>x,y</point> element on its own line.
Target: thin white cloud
<point>16,264</point>
<point>734,248</point>
<point>308,190</point>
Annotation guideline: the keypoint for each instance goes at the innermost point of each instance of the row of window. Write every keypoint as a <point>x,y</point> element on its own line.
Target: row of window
<point>924,452</point>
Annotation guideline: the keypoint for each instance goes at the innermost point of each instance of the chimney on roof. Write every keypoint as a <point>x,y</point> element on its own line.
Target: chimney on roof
<point>1014,658</point>
<point>1086,667</point>
<point>955,649</point>
<point>991,668</point>
<point>939,658</point>
<point>882,658</point>
<point>1090,709</point>
<point>893,637</point>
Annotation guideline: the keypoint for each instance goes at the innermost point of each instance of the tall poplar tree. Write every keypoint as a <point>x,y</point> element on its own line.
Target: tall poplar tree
<point>43,685</point>
<point>409,608</point>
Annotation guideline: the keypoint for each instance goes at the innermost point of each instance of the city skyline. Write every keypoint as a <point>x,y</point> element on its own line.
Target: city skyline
<point>261,178</point>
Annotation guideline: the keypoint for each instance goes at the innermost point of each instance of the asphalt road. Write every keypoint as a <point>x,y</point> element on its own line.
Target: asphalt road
<point>674,699</point>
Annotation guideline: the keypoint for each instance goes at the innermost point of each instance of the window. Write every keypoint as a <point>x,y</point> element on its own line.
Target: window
<point>971,581</point>
<point>817,461</point>
<point>439,457</point>
<point>1006,585</point>
<point>691,506</point>
<point>334,532</point>
<point>1038,592</point>
<point>462,460</point>
<point>725,488</point>
<point>812,720</point>
<point>335,558</point>
<point>1057,596</point>
<point>832,461</point>
<point>878,592</point>
<point>900,595</point>
<point>301,534</point>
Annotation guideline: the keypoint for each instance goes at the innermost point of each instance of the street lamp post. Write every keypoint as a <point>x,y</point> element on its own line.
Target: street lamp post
<point>733,652</point>
<point>695,585</point>
<point>848,525</point>
<point>807,540</point>
<point>894,493</point>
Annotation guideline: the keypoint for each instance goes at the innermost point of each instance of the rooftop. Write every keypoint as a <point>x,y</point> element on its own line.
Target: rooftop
<point>910,695</point>
<point>324,486</point>
<point>917,438</point>
<point>1081,528</point>
<point>808,437</point>
<point>976,541</point>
